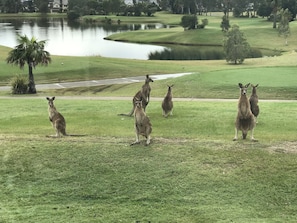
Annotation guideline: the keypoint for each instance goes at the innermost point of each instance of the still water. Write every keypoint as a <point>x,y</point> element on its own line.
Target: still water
<point>75,39</point>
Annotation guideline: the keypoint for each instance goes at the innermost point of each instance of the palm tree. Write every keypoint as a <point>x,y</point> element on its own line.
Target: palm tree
<point>32,52</point>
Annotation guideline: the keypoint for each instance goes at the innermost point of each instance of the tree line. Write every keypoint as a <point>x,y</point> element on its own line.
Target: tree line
<point>238,8</point>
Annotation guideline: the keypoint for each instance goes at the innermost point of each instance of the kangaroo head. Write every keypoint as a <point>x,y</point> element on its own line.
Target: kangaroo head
<point>138,103</point>
<point>169,87</point>
<point>254,88</point>
<point>148,79</point>
<point>50,101</point>
<point>243,89</point>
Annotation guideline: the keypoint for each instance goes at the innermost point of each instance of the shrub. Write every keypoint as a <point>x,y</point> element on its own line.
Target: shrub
<point>254,53</point>
<point>189,21</point>
<point>19,84</point>
<point>192,54</point>
<point>72,15</point>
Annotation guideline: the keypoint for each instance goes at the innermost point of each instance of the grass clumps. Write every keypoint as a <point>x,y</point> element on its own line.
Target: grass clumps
<point>19,84</point>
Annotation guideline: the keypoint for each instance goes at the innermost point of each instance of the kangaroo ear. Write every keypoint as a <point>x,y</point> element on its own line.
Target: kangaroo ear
<point>240,85</point>
<point>47,98</point>
<point>257,85</point>
<point>247,85</point>
<point>53,98</point>
<point>147,76</point>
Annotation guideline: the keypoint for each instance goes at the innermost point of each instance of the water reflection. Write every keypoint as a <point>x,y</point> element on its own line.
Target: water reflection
<point>75,39</point>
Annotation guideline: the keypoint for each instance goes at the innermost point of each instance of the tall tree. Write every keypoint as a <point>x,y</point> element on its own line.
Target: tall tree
<point>275,5</point>
<point>11,6</point>
<point>31,52</point>
<point>291,5</point>
<point>235,45</point>
<point>225,24</point>
<point>283,25</point>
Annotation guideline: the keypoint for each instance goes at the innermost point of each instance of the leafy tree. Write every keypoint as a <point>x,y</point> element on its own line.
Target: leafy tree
<point>283,25</point>
<point>164,4</point>
<point>72,15</point>
<point>235,45</point>
<point>240,6</point>
<point>189,21</point>
<point>225,24</point>
<point>226,6</point>
<point>31,52</point>
<point>150,9</point>
<point>42,5</point>
<point>264,10</point>
<point>275,6</point>
<point>11,6</point>
<point>291,5</point>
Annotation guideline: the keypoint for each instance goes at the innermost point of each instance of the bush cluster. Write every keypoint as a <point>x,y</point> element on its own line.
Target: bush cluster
<point>19,84</point>
<point>176,54</point>
<point>182,54</point>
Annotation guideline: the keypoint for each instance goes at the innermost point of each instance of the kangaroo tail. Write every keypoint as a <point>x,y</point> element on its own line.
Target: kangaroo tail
<point>129,114</point>
<point>244,134</point>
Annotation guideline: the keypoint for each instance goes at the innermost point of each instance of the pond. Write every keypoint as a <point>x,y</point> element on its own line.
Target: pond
<point>76,39</point>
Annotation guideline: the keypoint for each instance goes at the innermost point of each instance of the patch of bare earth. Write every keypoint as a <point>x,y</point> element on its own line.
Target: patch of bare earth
<point>283,147</point>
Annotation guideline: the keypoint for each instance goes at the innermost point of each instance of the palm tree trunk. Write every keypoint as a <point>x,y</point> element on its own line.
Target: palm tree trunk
<point>31,85</point>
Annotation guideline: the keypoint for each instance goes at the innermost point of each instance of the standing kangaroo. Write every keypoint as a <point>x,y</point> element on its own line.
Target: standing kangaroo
<point>254,102</point>
<point>167,104</point>
<point>142,124</point>
<point>142,95</point>
<point>56,118</point>
<point>245,120</point>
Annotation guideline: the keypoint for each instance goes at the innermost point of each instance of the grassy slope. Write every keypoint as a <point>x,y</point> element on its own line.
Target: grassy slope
<point>258,32</point>
<point>192,172</point>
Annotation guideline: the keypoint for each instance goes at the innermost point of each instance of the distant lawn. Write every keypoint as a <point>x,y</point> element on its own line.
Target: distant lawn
<point>258,31</point>
<point>210,79</point>
<point>191,172</point>
<point>274,83</point>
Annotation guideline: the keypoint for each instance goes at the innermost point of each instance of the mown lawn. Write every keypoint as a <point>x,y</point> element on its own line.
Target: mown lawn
<point>192,171</point>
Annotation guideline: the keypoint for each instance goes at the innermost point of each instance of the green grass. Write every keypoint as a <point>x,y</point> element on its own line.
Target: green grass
<point>192,171</point>
<point>258,32</point>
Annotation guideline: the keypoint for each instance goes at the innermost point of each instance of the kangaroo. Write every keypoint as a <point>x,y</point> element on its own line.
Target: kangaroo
<point>56,118</point>
<point>245,120</point>
<point>146,88</point>
<point>254,102</point>
<point>167,104</point>
<point>142,95</point>
<point>142,124</point>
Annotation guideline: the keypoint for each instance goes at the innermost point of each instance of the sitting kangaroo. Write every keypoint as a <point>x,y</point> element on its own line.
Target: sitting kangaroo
<point>56,118</point>
<point>245,119</point>
<point>142,124</point>
<point>167,104</point>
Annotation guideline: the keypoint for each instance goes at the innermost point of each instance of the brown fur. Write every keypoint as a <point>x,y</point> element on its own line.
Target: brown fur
<point>245,120</point>
<point>142,95</point>
<point>254,101</point>
<point>142,124</point>
<point>167,104</point>
<point>56,118</point>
